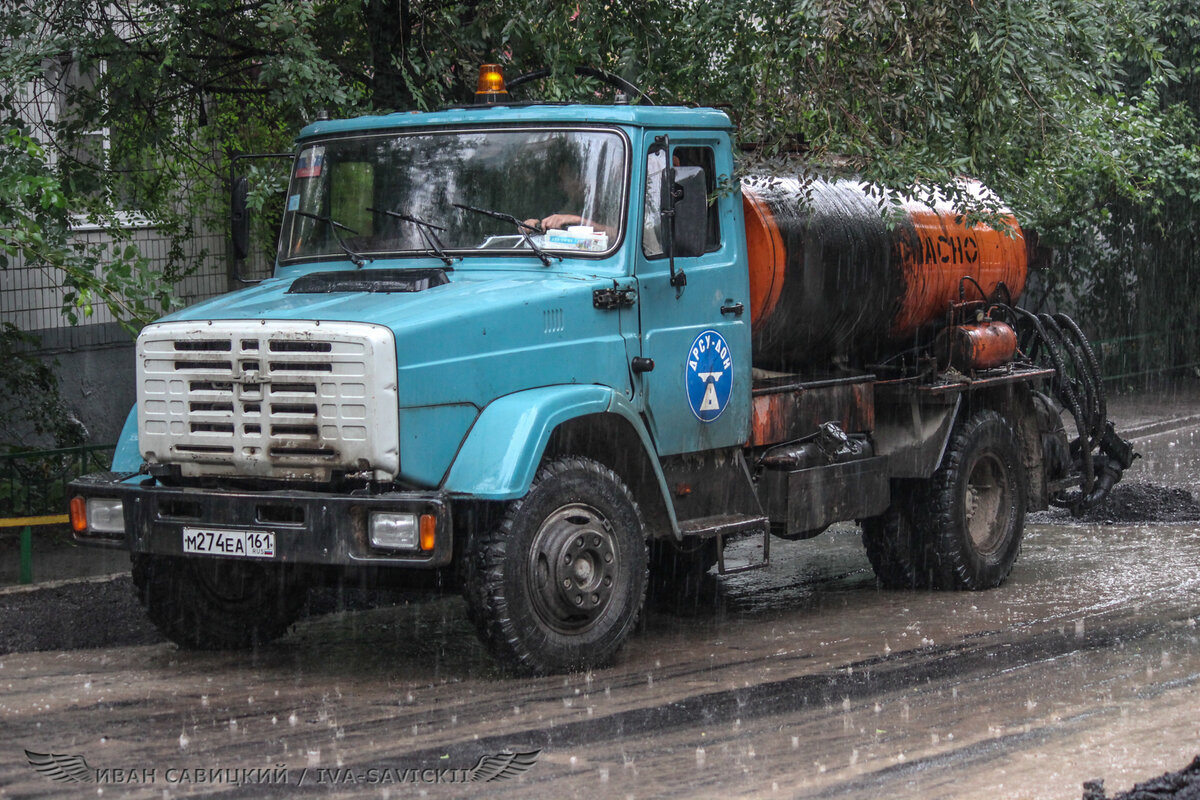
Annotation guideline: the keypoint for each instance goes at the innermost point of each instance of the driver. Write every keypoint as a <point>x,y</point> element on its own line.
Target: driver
<point>573,188</point>
<point>564,221</point>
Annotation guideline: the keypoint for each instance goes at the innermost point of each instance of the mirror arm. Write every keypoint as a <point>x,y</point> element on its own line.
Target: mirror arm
<point>678,278</point>
<point>236,259</point>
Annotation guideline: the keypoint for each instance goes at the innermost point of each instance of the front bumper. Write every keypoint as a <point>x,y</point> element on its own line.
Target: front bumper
<point>309,527</point>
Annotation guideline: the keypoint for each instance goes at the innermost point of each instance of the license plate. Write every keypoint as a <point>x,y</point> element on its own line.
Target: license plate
<point>243,544</point>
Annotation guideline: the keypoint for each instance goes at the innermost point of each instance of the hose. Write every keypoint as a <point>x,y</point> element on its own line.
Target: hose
<point>1056,341</point>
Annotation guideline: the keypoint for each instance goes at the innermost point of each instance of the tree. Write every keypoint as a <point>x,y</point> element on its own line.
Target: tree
<point>1081,114</point>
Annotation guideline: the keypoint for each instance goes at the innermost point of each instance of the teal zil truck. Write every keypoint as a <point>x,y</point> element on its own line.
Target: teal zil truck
<point>554,355</point>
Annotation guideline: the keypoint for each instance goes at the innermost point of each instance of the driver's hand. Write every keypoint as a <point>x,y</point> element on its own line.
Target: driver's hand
<point>561,221</point>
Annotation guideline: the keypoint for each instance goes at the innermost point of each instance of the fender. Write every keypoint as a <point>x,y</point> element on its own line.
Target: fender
<point>128,456</point>
<point>500,457</point>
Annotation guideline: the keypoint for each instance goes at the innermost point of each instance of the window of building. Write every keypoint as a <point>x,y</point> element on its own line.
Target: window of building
<point>87,154</point>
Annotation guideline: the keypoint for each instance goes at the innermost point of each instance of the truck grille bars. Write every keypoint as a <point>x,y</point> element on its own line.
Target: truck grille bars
<point>273,399</point>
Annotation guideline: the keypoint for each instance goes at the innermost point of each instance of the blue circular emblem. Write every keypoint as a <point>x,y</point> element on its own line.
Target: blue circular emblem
<point>709,375</point>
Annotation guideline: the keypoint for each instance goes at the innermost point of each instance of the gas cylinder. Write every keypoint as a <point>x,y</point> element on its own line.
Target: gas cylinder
<point>834,282</point>
<point>976,345</point>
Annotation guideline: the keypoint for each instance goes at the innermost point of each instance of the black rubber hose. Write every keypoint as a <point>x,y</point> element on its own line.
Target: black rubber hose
<point>1057,341</point>
<point>1063,390</point>
<point>1078,378</point>
<point>1093,368</point>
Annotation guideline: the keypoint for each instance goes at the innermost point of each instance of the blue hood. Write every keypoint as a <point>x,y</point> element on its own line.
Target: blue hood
<point>480,336</point>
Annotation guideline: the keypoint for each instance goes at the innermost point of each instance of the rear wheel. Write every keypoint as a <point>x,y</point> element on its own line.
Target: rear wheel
<point>976,507</point>
<point>897,548</point>
<point>558,583</point>
<point>217,604</point>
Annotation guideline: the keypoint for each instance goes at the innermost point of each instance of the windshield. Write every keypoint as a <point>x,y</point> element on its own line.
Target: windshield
<point>563,191</point>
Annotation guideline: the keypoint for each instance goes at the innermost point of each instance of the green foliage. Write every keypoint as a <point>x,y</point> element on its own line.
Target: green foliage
<point>30,399</point>
<point>35,228</point>
<point>1081,114</point>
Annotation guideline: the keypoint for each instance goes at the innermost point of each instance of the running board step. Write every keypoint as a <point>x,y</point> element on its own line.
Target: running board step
<point>723,525</point>
<point>731,525</point>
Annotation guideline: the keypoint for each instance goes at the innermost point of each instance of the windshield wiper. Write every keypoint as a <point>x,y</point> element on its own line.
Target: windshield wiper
<point>522,228</point>
<point>356,259</point>
<point>427,233</point>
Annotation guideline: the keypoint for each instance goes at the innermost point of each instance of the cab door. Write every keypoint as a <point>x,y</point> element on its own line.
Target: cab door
<point>697,395</point>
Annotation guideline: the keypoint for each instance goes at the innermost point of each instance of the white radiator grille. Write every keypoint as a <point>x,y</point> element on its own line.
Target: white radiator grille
<point>295,400</point>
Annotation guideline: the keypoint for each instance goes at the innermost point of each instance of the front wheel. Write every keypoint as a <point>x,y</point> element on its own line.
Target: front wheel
<point>976,505</point>
<point>217,603</point>
<point>558,583</point>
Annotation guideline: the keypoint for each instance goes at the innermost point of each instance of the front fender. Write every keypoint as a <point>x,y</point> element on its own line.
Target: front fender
<point>501,454</point>
<point>128,456</point>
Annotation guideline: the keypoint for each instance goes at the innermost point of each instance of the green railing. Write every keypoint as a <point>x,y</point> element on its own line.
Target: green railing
<point>33,490</point>
<point>1124,358</point>
<point>34,482</point>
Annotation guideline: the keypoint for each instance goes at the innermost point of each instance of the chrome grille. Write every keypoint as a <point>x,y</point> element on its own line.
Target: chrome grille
<point>296,400</point>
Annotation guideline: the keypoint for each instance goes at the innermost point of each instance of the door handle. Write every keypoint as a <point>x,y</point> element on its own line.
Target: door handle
<point>734,308</point>
<point>641,365</point>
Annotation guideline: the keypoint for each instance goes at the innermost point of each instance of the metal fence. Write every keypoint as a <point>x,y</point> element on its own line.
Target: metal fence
<point>35,482</point>
<point>1129,358</point>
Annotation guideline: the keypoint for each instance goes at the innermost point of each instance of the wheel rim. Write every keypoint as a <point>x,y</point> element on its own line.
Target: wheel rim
<point>574,568</point>
<point>986,507</point>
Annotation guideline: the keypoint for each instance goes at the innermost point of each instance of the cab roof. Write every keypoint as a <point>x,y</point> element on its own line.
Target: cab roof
<point>669,117</point>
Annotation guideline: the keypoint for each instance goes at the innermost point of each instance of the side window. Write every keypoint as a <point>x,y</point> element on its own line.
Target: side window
<point>652,232</point>
<point>652,239</point>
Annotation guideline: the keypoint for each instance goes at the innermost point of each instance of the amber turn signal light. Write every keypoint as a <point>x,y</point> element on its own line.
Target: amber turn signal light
<point>428,531</point>
<point>78,514</point>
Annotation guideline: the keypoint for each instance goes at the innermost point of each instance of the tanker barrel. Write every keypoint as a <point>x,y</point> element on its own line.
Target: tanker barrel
<point>832,283</point>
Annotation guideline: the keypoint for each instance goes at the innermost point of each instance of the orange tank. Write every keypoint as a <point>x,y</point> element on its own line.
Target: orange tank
<point>831,281</point>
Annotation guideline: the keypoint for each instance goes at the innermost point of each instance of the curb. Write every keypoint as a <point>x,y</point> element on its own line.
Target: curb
<point>57,584</point>
<point>1148,429</point>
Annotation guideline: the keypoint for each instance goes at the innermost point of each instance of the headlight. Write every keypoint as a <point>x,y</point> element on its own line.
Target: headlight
<point>395,531</point>
<point>105,515</point>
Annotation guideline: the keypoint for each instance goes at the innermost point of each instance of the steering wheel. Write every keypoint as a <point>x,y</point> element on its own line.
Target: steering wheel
<point>615,81</point>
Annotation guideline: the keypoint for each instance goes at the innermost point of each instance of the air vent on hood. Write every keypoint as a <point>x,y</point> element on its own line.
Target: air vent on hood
<point>375,280</point>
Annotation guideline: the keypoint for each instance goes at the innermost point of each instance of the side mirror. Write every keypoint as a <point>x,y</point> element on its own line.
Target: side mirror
<point>689,200</point>
<point>239,218</point>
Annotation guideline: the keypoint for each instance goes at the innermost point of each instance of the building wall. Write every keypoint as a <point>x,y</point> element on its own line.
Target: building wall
<point>94,359</point>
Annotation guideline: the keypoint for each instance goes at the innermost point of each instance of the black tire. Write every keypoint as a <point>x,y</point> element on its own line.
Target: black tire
<point>215,603</point>
<point>897,549</point>
<point>681,581</point>
<point>976,505</point>
<point>558,583</point>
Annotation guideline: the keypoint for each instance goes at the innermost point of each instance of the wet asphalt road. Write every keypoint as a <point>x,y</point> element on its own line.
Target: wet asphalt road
<point>805,681</point>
